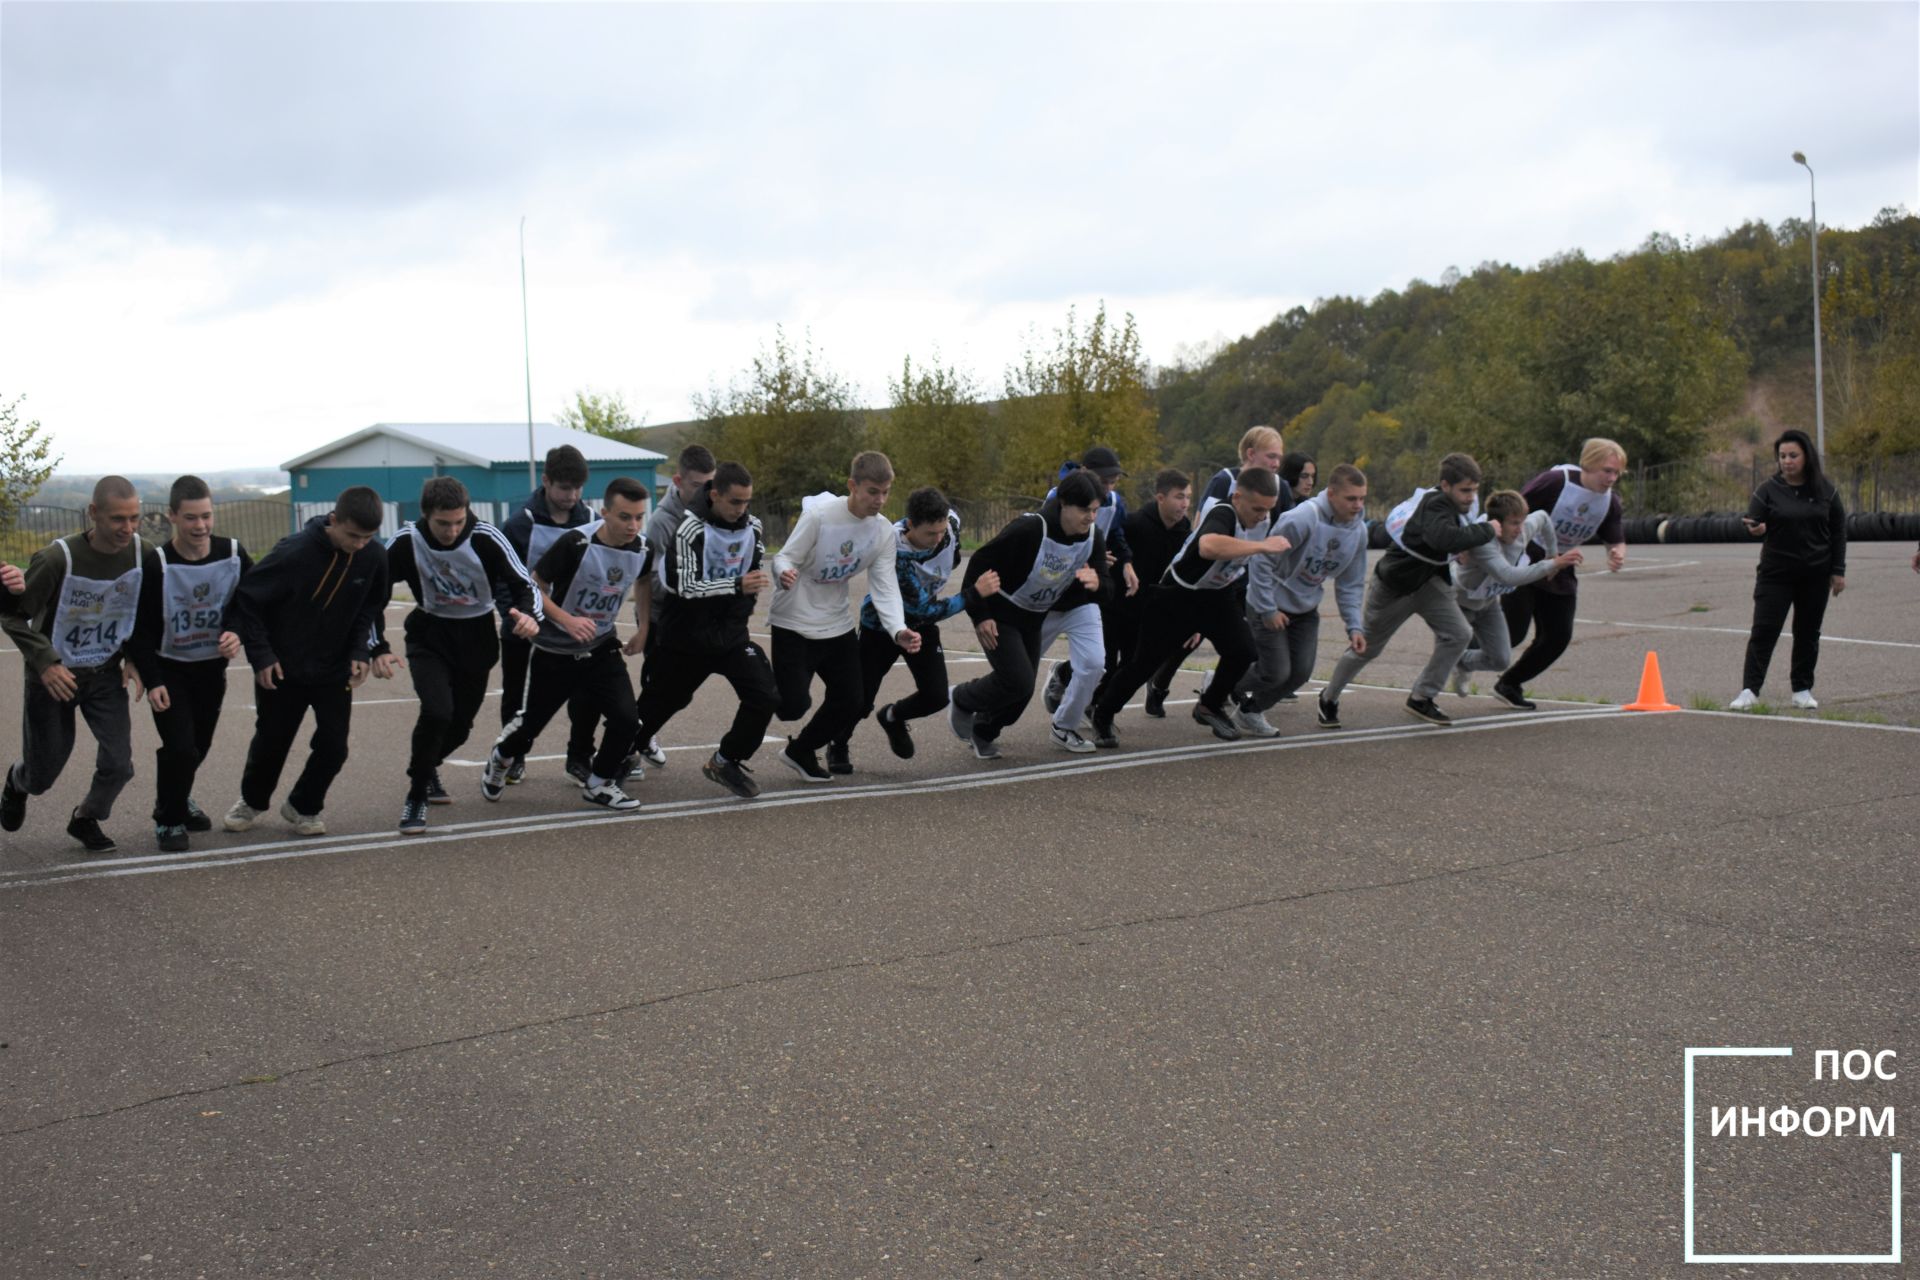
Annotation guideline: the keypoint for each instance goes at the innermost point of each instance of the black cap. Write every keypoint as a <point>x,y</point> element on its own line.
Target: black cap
<point>1103,462</point>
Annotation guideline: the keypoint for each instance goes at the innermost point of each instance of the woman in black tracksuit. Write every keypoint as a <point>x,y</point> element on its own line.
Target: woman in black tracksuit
<point>1803,563</point>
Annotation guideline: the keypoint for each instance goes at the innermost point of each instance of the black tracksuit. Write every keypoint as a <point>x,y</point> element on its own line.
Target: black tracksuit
<point>195,690</point>
<point>1154,547</point>
<point>703,632</point>
<point>315,611</point>
<point>514,652</point>
<point>450,657</point>
<point>1804,551</point>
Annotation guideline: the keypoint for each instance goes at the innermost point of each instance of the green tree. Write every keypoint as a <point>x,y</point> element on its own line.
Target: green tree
<point>938,430</point>
<point>602,414</point>
<point>1091,387</point>
<point>26,460</point>
<point>794,422</point>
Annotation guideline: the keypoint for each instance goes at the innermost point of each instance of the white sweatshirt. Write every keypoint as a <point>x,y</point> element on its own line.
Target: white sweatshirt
<point>828,547</point>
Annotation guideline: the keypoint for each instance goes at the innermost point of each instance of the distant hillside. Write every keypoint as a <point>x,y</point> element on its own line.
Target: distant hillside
<point>75,489</point>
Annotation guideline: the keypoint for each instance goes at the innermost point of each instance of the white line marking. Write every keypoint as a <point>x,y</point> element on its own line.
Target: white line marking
<point>1736,631</point>
<point>1646,568</point>
<point>1784,718</point>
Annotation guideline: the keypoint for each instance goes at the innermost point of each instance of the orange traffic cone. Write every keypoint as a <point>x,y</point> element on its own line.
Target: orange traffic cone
<point>1653,691</point>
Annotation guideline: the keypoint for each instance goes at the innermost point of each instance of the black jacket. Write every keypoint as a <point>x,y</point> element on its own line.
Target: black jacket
<point>312,608</point>
<point>1011,554</point>
<point>700,614</point>
<point>519,532</point>
<point>1433,534</point>
<point>1806,530</point>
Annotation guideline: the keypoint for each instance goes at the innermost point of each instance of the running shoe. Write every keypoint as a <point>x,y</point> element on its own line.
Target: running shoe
<point>1156,702</point>
<point>197,819</point>
<point>303,824</point>
<point>493,778</point>
<point>1459,682</point>
<point>579,768</point>
<point>1427,709</point>
<point>517,771</point>
<point>1056,690</point>
<point>1329,712</point>
<point>241,817</point>
<point>437,794</point>
<point>898,736</point>
<point>413,816</point>
<point>13,805</point>
<point>1253,724</point>
<point>985,748</point>
<point>839,758</point>
<point>961,722</point>
<point>732,775</point>
<point>1103,736</point>
<point>87,831</point>
<point>652,753</point>
<point>1742,703</point>
<point>1217,721</point>
<point>608,795</point>
<point>1803,700</point>
<point>804,763</point>
<point>171,837</point>
<point>1069,740</point>
<point>1511,695</point>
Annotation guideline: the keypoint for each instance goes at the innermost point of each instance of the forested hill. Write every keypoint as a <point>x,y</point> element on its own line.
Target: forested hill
<point>1662,348</point>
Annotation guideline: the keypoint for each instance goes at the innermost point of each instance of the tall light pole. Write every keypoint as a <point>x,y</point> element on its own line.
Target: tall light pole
<point>1819,400</point>
<point>526,347</point>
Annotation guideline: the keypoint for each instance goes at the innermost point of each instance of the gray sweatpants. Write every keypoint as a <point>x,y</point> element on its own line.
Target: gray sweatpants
<point>47,734</point>
<point>1285,660</point>
<point>1386,611</point>
<point>1491,650</point>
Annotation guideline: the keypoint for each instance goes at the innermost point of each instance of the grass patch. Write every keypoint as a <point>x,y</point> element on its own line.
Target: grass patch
<point>1853,717</point>
<point>1569,697</point>
<point>1701,608</point>
<point>1701,702</point>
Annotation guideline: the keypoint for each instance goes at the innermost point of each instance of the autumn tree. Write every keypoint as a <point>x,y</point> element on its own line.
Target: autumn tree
<point>26,460</point>
<point>1091,386</point>
<point>601,414</point>
<point>794,422</point>
<point>937,429</point>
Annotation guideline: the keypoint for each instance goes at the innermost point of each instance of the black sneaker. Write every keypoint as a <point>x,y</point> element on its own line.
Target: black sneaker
<point>1217,721</point>
<point>1511,695</point>
<point>87,831</point>
<point>898,736</point>
<point>517,770</point>
<point>437,794</point>
<point>1427,709</point>
<point>171,839</point>
<point>197,820</point>
<point>1156,703</point>
<point>839,759</point>
<point>630,767</point>
<point>413,816</point>
<point>1103,737</point>
<point>579,768</point>
<point>1056,689</point>
<point>1329,712</point>
<point>13,805</point>
<point>804,763</point>
<point>732,775</point>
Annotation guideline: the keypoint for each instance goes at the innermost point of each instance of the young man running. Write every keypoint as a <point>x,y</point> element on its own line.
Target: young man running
<point>1329,537</point>
<point>311,616</point>
<point>1053,556</point>
<point>182,642</point>
<point>1412,578</point>
<point>1260,447</point>
<point>814,630</point>
<point>550,511</point>
<point>457,565</point>
<point>1070,689</point>
<point>691,475</point>
<point>1491,570</point>
<point>584,579</point>
<point>1196,594</point>
<point>74,613</point>
<point>1155,533</point>
<point>712,575</point>
<point>924,558</point>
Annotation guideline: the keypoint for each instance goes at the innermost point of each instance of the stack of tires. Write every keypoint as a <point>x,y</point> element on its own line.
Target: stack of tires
<point>1883,526</point>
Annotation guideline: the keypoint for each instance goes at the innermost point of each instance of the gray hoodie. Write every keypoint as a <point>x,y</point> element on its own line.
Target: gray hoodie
<point>1492,569</point>
<point>1295,580</point>
<point>659,531</point>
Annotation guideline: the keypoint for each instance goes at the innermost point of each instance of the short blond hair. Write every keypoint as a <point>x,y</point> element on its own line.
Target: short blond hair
<point>1598,450</point>
<point>1261,438</point>
<point>870,467</point>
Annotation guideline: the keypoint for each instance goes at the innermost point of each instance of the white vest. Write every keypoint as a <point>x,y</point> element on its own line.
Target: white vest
<point>94,616</point>
<point>1396,523</point>
<point>1220,573</point>
<point>726,553</point>
<point>1579,511</point>
<point>193,598</point>
<point>598,590</point>
<point>1053,568</point>
<point>453,580</point>
<point>541,537</point>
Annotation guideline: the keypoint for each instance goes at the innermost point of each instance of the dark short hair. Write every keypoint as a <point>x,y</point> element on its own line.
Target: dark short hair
<point>1293,464</point>
<point>187,489</point>
<point>566,465</point>
<point>926,506</point>
<point>695,460</point>
<point>360,506</point>
<point>1347,476</point>
<point>1260,481</point>
<point>1459,468</point>
<point>1506,504</point>
<point>113,489</point>
<point>729,475</point>
<point>1170,479</point>
<point>442,493</point>
<point>626,488</point>
<point>1080,489</point>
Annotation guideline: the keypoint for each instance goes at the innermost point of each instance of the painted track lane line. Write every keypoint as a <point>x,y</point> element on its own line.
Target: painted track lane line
<point>572,819</point>
<point>1737,631</point>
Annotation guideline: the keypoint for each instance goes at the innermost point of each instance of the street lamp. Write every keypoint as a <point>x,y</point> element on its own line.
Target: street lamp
<point>1819,400</point>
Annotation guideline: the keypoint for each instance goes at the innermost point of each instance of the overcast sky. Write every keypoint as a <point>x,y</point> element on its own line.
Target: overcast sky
<point>234,232</point>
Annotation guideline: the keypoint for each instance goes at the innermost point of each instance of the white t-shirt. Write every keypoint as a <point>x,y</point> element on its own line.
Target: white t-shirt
<point>828,547</point>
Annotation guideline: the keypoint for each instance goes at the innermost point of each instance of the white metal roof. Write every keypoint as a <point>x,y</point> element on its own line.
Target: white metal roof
<point>481,444</point>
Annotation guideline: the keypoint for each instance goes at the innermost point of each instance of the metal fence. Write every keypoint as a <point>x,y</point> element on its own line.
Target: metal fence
<point>1709,485</point>
<point>257,522</point>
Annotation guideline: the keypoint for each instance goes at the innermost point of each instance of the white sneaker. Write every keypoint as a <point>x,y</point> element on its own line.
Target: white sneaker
<point>240,817</point>
<point>608,795</point>
<point>1206,682</point>
<point>1460,682</point>
<point>1254,724</point>
<point>303,824</point>
<point>1068,740</point>
<point>1803,700</point>
<point>652,754</point>
<point>1746,699</point>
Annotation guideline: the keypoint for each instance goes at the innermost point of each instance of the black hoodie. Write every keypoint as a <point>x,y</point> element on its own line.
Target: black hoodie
<point>700,614</point>
<point>1012,554</point>
<point>312,608</point>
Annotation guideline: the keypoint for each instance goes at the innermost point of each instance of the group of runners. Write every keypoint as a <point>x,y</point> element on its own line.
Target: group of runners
<point>541,597</point>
